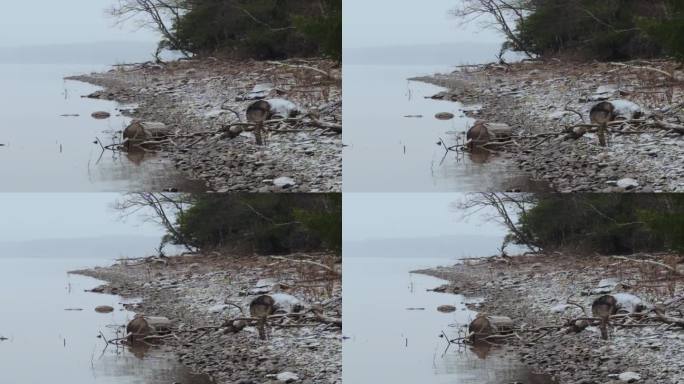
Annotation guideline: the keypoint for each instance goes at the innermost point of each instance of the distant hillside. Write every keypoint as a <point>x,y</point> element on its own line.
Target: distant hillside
<point>433,247</point>
<point>107,53</point>
<point>100,248</point>
<point>435,54</point>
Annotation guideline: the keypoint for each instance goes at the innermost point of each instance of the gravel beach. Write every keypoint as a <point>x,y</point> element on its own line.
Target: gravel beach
<point>198,99</point>
<point>199,293</point>
<point>540,98</point>
<point>535,290</point>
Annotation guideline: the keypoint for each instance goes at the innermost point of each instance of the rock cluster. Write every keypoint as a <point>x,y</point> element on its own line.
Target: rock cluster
<point>196,99</point>
<point>538,98</point>
<point>200,294</point>
<point>534,292</point>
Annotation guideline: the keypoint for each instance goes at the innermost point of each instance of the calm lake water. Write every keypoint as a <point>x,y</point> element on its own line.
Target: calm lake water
<point>388,152</point>
<point>48,344</point>
<point>45,151</point>
<point>390,344</point>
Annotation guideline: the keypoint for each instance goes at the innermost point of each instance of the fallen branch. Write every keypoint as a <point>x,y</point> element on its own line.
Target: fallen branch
<point>306,262</point>
<point>668,319</point>
<point>327,319</point>
<point>652,262</point>
<point>670,126</point>
<point>325,125</point>
<point>669,75</point>
<point>298,66</point>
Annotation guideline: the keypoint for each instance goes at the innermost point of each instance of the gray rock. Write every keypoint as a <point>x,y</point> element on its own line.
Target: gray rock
<point>627,183</point>
<point>284,182</point>
<point>446,308</point>
<point>104,309</point>
<point>100,115</point>
<point>444,116</point>
<point>287,377</point>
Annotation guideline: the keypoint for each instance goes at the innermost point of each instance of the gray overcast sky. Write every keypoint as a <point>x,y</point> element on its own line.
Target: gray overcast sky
<point>42,22</point>
<point>408,215</point>
<point>370,23</point>
<point>32,216</point>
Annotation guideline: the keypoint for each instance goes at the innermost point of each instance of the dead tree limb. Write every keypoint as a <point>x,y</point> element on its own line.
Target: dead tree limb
<point>652,262</point>
<point>321,265</point>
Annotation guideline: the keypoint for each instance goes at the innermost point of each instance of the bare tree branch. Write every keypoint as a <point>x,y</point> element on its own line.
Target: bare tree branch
<point>507,207</point>
<point>165,209</point>
<point>155,13</point>
<point>502,12</point>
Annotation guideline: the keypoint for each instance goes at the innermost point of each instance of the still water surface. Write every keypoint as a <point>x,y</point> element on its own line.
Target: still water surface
<point>388,152</point>
<point>41,150</point>
<point>48,344</point>
<point>390,344</point>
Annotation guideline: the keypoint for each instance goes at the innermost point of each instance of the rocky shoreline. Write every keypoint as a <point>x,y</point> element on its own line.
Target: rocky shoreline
<point>540,98</point>
<point>199,293</point>
<point>198,99</point>
<point>535,291</point>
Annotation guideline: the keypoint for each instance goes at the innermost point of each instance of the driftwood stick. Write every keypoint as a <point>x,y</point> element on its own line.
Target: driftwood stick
<point>652,262</point>
<point>299,66</point>
<point>325,125</point>
<point>662,72</point>
<point>327,319</point>
<point>306,262</point>
<point>670,126</point>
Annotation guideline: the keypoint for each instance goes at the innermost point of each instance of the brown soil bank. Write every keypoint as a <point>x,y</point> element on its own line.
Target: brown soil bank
<point>541,99</point>
<point>535,290</point>
<point>199,99</point>
<point>200,293</point>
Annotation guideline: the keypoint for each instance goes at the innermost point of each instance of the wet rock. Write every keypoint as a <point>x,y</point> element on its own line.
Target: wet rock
<point>100,115</point>
<point>446,288</point>
<point>138,131</point>
<point>446,308</point>
<point>101,95</point>
<point>445,96</point>
<point>444,116</point>
<point>104,309</point>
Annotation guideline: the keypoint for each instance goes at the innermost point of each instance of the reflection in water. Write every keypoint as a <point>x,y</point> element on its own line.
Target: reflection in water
<point>144,365</point>
<point>137,155</point>
<point>480,156</point>
<point>389,343</point>
<point>387,151</point>
<point>53,144</point>
<point>487,363</point>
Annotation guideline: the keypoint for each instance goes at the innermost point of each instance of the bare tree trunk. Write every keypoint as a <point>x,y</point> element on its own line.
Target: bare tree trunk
<point>502,203</point>
<point>166,207</point>
<point>503,12</point>
<point>156,13</point>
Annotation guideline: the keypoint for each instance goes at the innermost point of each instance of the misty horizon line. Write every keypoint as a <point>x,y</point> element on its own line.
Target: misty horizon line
<point>78,43</point>
<point>421,237</point>
<point>412,45</point>
<point>43,239</point>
